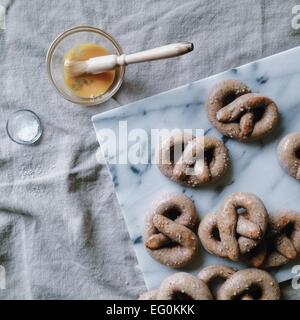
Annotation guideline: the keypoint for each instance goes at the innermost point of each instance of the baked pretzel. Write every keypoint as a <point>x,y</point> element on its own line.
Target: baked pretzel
<point>168,232</point>
<point>248,284</point>
<point>215,272</point>
<point>282,242</point>
<point>219,272</point>
<point>179,286</point>
<point>288,153</point>
<point>245,281</point>
<point>230,233</point>
<point>237,113</point>
<point>192,161</point>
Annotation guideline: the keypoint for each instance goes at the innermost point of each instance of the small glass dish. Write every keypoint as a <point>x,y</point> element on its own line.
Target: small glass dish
<point>24,127</point>
<point>70,39</point>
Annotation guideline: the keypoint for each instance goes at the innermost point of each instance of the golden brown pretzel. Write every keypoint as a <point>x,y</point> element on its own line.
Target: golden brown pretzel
<point>172,242</point>
<point>237,113</point>
<point>192,161</point>
<point>282,242</point>
<point>230,233</point>
<point>179,286</point>
<point>244,281</point>
<point>288,153</point>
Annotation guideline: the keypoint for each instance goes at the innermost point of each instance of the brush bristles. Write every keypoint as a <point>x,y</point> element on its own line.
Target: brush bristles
<point>74,68</point>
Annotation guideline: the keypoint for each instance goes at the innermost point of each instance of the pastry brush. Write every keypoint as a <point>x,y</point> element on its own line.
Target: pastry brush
<point>101,64</point>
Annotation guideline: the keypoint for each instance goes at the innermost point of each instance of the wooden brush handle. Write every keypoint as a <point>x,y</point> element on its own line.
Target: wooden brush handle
<point>105,63</point>
<point>168,51</point>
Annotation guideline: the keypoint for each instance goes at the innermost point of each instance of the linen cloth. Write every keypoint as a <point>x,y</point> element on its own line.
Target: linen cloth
<point>62,235</point>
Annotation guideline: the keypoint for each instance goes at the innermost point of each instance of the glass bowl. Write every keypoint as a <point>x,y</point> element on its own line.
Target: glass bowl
<point>24,127</point>
<point>70,39</point>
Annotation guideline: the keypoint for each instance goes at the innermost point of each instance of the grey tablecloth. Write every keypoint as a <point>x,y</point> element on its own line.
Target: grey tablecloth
<point>62,235</point>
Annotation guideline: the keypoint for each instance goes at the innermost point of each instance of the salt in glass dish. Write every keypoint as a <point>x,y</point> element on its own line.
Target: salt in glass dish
<point>24,127</point>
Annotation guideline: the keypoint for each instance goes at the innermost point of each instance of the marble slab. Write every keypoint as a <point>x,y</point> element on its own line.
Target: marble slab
<point>254,166</point>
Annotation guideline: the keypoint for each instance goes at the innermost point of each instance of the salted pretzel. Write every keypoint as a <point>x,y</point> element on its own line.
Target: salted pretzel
<point>216,272</point>
<point>169,230</point>
<point>179,286</point>
<point>242,283</point>
<point>236,228</point>
<point>288,153</point>
<point>247,284</point>
<point>192,161</point>
<point>240,114</point>
<point>282,242</point>
<point>220,272</point>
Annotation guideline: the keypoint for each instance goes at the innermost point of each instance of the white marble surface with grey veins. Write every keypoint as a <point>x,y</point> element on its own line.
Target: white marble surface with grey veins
<point>254,167</point>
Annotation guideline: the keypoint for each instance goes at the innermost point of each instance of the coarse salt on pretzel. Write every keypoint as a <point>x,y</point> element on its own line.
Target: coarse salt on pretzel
<point>288,153</point>
<point>240,114</point>
<point>282,242</point>
<point>179,286</point>
<point>245,281</point>
<point>172,242</point>
<point>192,161</point>
<point>229,233</point>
